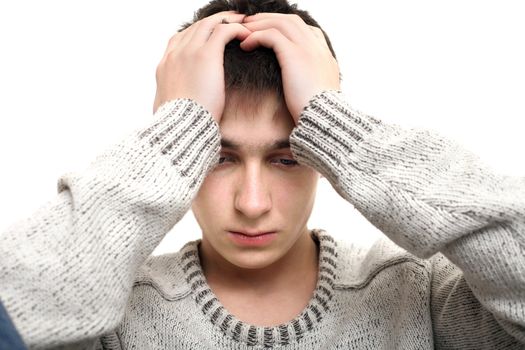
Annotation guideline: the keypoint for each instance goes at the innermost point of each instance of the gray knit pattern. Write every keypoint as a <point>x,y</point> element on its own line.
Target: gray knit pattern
<point>76,274</point>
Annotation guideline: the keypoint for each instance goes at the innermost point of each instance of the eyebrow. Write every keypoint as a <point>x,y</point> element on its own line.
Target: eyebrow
<point>275,145</point>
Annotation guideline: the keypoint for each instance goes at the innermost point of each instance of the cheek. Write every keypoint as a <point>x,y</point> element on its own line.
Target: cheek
<point>295,195</point>
<point>211,198</point>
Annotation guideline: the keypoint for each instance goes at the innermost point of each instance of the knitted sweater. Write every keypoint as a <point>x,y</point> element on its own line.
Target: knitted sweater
<point>77,275</point>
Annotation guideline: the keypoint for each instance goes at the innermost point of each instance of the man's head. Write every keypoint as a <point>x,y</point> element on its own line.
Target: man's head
<point>258,70</point>
<point>258,187</point>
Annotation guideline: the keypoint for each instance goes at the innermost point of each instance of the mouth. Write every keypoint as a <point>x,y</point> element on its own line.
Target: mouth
<point>252,238</point>
<point>252,234</point>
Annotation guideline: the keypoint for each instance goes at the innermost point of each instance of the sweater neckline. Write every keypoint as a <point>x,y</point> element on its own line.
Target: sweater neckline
<point>251,335</point>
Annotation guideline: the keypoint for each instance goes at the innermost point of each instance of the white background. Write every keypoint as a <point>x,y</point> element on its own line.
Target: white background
<point>76,76</point>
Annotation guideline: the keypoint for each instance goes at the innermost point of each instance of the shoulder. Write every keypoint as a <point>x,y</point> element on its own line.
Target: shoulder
<point>358,266</point>
<point>166,273</point>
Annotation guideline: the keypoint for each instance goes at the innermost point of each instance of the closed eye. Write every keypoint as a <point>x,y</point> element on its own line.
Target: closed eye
<point>285,162</point>
<point>223,159</point>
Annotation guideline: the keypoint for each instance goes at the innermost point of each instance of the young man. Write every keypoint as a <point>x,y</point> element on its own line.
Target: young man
<point>246,154</point>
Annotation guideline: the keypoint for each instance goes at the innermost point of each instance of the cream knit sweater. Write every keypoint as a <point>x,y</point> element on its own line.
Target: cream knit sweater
<point>77,275</point>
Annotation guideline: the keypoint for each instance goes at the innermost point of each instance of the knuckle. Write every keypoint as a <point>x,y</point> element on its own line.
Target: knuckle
<point>173,39</point>
<point>171,56</point>
<point>220,28</point>
<point>226,29</point>
<point>274,31</point>
<point>197,25</point>
<point>210,19</point>
<point>296,18</point>
<point>234,25</point>
<point>160,72</point>
<point>318,31</point>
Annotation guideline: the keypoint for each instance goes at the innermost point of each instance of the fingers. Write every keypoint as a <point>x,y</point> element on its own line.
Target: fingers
<point>294,30</point>
<point>266,15</point>
<point>224,33</point>
<point>271,38</point>
<point>317,32</point>
<point>199,32</point>
<point>206,26</point>
<point>193,66</point>
<point>291,26</point>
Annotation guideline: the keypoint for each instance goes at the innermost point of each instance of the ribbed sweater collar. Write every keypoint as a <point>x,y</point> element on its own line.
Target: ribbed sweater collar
<point>252,335</point>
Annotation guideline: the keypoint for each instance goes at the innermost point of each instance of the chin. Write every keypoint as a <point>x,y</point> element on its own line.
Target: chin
<point>252,260</point>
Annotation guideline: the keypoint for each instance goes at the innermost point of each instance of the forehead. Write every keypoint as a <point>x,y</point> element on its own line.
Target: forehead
<point>255,122</point>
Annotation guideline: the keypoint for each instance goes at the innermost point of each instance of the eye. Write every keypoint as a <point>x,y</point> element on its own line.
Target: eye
<point>225,158</point>
<point>286,162</point>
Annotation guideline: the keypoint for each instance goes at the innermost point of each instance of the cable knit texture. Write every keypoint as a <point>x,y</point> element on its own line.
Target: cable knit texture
<point>451,274</point>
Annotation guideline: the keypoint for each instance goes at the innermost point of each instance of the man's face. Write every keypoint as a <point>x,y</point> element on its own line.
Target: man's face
<point>257,187</point>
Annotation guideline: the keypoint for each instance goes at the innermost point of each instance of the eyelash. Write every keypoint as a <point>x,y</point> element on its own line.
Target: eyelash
<point>222,158</point>
<point>288,163</point>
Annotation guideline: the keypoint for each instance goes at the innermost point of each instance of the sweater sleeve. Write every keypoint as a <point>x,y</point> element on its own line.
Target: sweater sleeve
<point>67,271</point>
<point>428,195</point>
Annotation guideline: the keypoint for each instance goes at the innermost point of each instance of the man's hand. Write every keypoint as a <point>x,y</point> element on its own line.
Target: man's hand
<point>192,66</point>
<point>307,65</point>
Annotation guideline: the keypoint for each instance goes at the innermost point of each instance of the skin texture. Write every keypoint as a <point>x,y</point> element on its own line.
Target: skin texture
<point>258,189</point>
<point>253,189</point>
<point>307,65</point>
<point>192,66</point>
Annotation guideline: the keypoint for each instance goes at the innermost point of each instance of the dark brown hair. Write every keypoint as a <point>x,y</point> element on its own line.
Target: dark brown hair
<point>258,70</point>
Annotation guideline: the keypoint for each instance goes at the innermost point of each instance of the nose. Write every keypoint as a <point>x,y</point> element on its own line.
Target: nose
<point>253,198</point>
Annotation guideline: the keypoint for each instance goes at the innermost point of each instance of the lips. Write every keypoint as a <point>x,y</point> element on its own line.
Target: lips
<point>252,233</point>
<point>254,238</point>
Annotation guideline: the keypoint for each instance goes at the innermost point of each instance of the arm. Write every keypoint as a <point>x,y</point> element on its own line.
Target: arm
<point>66,273</point>
<point>423,191</point>
<point>428,195</point>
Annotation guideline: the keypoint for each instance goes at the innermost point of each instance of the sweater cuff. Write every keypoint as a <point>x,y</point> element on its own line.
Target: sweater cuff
<point>186,134</point>
<point>328,131</point>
